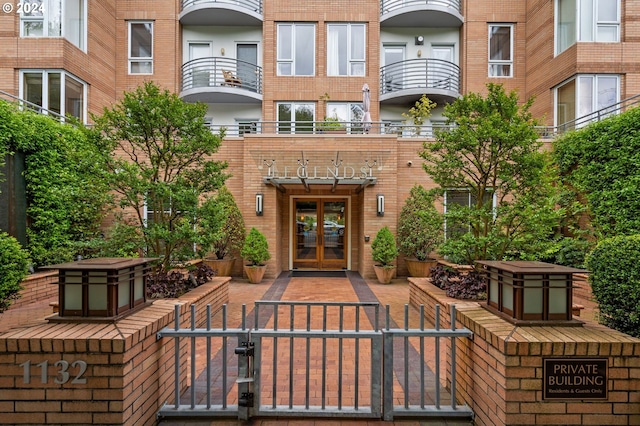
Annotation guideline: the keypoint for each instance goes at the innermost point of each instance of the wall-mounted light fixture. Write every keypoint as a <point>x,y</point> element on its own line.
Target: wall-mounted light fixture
<point>380,204</point>
<point>419,40</point>
<point>419,53</point>
<point>259,203</point>
<point>222,51</point>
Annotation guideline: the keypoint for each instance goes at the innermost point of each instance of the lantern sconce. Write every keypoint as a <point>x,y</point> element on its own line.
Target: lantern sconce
<point>259,203</point>
<point>222,51</point>
<point>380,204</point>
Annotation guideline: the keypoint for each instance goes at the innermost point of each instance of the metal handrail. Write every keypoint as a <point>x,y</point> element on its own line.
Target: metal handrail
<point>549,132</point>
<point>209,72</point>
<point>420,73</point>
<point>252,5</point>
<point>387,6</point>
<point>31,106</point>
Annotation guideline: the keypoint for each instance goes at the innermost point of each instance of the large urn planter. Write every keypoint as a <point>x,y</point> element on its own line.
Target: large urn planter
<point>420,268</point>
<point>384,273</point>
<point>223,267</point>
<point>255,273</point>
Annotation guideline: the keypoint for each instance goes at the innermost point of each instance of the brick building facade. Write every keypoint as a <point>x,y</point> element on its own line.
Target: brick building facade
<point>270,71</point>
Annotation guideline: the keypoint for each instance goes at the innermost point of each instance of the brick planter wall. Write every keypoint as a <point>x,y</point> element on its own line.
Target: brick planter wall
<point>128,376</point>
<point>36,287</point>
<point>500,371</point>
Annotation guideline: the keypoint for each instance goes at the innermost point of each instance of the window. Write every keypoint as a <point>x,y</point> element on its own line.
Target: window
<point>140,47</point>
<point>500,50</point>
<point>296,49</point>
<point>295,117</point>
<point>346,49</point>
<point>55,18</point>
<point>56,91</point>
<point>586,20</point>
<point>456,198</point>
<point>347,112</point>
<point>586,98</point>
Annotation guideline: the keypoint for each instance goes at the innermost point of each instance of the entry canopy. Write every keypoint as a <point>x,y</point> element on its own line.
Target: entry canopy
<point>311,168</point>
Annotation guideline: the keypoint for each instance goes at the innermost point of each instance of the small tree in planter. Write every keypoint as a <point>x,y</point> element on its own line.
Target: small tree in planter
<point>384,251</point>
<point>420,231</point>
<point>256,252</point>
<point>222,231</point>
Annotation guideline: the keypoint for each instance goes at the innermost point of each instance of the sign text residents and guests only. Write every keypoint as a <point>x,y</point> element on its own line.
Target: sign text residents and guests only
<point>569,378</point>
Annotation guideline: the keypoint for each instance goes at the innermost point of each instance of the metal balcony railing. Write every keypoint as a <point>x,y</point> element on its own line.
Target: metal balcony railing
<point>549,132</point>
<point>426,73</point>
<point>36,108</point>
<point>387,6</point>
<point>252,5</point>
<point>221,72</point>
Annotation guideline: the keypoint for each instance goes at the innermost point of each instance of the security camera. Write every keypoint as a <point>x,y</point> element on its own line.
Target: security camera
<point>409,163</point>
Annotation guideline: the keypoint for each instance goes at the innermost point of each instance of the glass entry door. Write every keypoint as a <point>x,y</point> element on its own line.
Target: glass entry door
<point>320,234</point>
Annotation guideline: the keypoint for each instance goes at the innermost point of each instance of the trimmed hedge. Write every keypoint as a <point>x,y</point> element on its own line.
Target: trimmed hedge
<point>615,281</point>
<point>13,268</point>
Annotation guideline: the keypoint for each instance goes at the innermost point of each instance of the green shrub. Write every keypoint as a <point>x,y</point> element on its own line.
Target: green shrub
<point>13,268</point>
<point>420,226</point>
<point>222,229</point>
<point>615,281</point>
<point>255,249</point>
<point>383,248</point>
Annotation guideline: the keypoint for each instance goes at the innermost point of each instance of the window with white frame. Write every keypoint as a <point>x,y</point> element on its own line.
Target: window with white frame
<point>296,49</point>
<point>349,113</point>
<point>346,49</point>
<point>140,47</point>
<point>296,117</point>
<point>500,50</point>
<point>586,20</point>
<point>54,90</point>
<point>454,198</point>
<point>586,98</point>
<point>55,18</point>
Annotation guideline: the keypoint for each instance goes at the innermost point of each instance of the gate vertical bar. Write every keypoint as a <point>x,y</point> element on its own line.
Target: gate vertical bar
<point>193,357</point>
<point>422,377</point>
<point>437,367</point>
<point>224,357</point>
<point>453,358</point>
<point>291,363</point>
<point>387,382</point>
<point>208,363</point>
<point>340,340</point>
<point>177,356</point>
<point>357,355</point>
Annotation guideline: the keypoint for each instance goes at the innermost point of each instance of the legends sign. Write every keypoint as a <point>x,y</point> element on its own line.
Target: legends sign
<point>566,378</point>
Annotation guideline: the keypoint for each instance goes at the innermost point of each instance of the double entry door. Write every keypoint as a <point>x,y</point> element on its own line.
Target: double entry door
<point>320,233</point>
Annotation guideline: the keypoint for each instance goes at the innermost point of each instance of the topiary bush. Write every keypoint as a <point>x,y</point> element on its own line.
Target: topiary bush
<point>256,248</point>
<point>420,225</point>
<point>384,249</point>
<point>13,268</point>
<point>221,229</point>
<point>615,282</point>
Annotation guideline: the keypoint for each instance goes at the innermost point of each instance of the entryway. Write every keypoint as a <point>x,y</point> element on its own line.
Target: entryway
<point>320,233</point>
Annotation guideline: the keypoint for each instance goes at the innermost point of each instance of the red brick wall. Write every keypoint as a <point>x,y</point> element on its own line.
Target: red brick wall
<point>129,372</point>
<point>36,287</point>
<point>500,371</point>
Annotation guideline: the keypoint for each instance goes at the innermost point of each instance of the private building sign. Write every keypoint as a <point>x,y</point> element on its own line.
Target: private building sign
<point>568,378</point>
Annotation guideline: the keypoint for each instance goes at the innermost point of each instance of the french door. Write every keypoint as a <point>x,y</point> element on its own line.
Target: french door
<point>320,233</point>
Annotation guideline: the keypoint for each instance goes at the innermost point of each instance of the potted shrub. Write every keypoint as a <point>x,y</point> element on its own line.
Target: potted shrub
<point>222,232</point>
<point>420,231</point>
<point>255,251</point>
<point>384,251</point>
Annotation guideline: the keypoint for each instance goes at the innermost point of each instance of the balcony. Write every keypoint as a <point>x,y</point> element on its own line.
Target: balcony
<point>221,12</point>
<point>405,82</point>
<point>421,13</point>
<point>221,80</point>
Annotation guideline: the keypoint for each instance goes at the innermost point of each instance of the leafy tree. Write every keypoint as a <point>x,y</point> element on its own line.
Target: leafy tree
<point>160,158</point>
<point>66,194</point>
<point>13,268</point>
<point>222,229</point>
<point>419,112</point>
<point>600,163</point>
<point>491,149</point>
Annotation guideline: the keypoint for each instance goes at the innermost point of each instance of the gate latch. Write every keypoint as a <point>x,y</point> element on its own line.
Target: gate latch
<point>246,349</point>
<point>246,399</point>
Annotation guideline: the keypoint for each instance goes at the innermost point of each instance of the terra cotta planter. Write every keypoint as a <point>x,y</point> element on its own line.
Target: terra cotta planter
<point>255,273</point>
<point>383,274</point>
<point>223,267</point>
<point>420,268</point>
